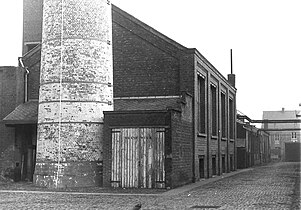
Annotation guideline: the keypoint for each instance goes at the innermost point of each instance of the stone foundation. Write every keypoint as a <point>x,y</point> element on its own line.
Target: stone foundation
<point>68,174</point>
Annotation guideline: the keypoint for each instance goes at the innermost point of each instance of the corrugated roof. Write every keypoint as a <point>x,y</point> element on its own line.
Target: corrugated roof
<point>26,113</point>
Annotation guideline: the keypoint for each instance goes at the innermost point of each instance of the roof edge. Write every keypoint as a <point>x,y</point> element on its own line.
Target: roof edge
<point>149,28</point>
<point>210,65</point>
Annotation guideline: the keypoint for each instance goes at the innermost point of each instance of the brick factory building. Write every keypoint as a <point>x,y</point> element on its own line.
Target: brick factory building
<point>174,118</point>
<point>253,145</point>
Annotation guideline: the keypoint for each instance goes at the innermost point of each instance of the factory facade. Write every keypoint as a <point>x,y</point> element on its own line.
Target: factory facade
<point>113,103</point>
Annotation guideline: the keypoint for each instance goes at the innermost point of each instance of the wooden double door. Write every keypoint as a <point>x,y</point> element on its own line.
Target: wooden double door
<point>138,158</point>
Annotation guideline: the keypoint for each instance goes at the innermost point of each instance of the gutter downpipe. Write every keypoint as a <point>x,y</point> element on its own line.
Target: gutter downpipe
<point>25,79</point>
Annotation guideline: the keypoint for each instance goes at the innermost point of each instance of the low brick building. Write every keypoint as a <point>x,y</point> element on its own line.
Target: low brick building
<point>253,145</point>
<point>11,94</point>
<point>166,91</point>
<point>149,148</point>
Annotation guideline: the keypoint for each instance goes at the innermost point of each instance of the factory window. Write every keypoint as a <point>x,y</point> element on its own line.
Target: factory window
<point>213,110</point>
<point>223,112</point>
<point>30,46</point>
<point>231,118</point>
<point>201,101</point>
<point>294,135</point>
<point>277,138</point>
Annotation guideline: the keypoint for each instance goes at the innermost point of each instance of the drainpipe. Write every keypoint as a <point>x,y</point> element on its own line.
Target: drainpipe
<point>25,79</point>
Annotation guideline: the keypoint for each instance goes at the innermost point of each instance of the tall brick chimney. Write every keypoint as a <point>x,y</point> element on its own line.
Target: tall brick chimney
<point>231,77</point>
<point>75,88</point>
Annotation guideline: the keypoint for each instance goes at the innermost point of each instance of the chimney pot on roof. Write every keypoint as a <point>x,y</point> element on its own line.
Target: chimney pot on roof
<point>283,109</point>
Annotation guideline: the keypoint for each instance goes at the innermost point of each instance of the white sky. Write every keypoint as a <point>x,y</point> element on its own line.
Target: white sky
<point>265,36</point>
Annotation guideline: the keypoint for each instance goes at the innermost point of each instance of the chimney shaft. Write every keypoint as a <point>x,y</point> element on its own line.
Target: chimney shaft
<point>75,88</point>
<point>231,77</point>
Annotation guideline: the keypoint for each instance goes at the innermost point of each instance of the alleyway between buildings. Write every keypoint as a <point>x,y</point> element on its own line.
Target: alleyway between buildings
<point>272,186</point>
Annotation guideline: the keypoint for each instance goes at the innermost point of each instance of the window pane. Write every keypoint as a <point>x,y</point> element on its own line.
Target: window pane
<point>213,110</point>
<point>201,100</point>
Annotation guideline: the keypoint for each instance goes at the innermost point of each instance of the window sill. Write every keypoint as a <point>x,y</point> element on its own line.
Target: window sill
<point>202,135</point>
<point>224,139</point>
<point>213,137</point>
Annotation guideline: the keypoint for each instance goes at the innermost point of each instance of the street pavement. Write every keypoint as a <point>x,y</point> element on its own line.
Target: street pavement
<point>272,186</point>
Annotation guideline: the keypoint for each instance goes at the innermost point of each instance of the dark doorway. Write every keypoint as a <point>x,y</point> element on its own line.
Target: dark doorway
<point>231,163</point>
<point>242,158</point>
<point>213,165</point>
<point>223,163</point>
<point>292,151</point>
<point>201,166</point>
<point>26,138</point>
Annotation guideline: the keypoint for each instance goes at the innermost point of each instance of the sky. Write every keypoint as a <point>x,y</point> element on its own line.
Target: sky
<point>264,35</point>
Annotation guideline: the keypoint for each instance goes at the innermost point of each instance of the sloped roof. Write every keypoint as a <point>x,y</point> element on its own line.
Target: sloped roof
<point>26,113</point>
<point>281,115</point>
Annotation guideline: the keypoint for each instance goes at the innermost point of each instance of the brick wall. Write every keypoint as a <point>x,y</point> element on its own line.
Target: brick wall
<point>182,146</point>
<point>32,22</point>
<point>146,103</point>
<point>32,61</point>
<point>144,63</point>
<point>182,141</point>
<point>188,73</point>
<point>11,94</point>
<point>201,152</point>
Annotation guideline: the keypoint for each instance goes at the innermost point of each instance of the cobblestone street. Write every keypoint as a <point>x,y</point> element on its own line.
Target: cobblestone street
<point>273,186</point>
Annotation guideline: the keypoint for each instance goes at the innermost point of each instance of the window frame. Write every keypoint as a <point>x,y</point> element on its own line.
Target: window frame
<point>201,103</point>
<point>214,110</point>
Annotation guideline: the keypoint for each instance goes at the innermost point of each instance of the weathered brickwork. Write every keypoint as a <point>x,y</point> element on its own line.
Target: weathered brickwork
<point>254,146</point>
<point>75,88</point>
<point>182,145</point>
<point>144,58</point>
<point>88,145</point>
<point>209,147</point>
<point>178,139</point>
<point>32,22</point>
<point>151,72</point>
<point>11,94</point>
<point>34,78</point>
